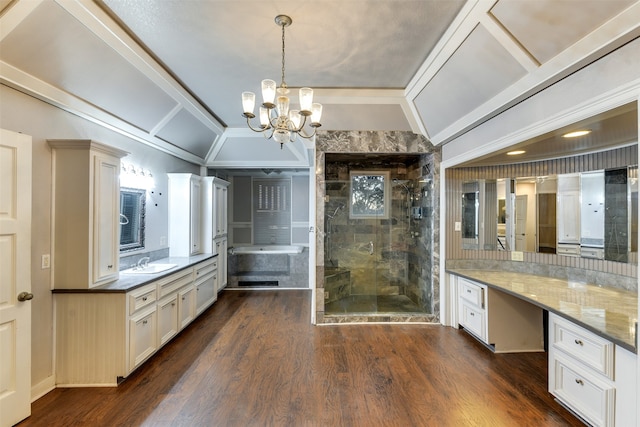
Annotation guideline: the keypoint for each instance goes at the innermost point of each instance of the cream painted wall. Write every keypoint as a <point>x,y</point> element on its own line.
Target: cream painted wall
<point>28,115</point>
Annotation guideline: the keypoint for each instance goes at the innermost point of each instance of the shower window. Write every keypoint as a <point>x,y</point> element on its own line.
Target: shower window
<point>369,195</point>
<point>272,211</point>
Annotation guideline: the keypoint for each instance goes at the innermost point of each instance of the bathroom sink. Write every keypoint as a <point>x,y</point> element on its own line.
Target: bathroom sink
<point>149,269</point>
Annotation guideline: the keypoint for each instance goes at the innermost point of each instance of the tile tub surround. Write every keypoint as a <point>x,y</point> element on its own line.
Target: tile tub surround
<point>611,313</point>
<point>290,270</point>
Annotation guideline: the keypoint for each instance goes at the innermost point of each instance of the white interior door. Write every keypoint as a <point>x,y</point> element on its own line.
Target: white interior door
<point>521,222</point>
<point>15,277</point>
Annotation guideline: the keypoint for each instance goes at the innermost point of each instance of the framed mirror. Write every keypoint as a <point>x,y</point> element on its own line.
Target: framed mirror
<point>132,213</point>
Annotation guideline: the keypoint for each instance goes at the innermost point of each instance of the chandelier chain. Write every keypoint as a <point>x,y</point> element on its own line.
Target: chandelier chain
<point>283,83</point>
<point>277,120</point>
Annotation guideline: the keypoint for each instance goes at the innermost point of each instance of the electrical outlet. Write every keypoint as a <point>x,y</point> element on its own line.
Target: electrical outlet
<point>517,256</point>
<point>326,295</point>
<point>457,226</point>
<point>46,261</point>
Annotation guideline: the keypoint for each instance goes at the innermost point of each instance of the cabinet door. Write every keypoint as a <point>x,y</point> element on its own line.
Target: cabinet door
<point>474,320</point>
<point>568,217</point>
<point>585,393</point>
<point>106,205</point>
<point>195,226</point>
<point>142,336</point>
<point>167,318</point>
<point>186,305</point>
<point>205,292</point>
<point>221,210</point>
<point>221,250</point>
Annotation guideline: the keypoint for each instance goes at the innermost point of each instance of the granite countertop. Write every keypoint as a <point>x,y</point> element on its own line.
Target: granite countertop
<point>129,282</point>
<point>609,312</point>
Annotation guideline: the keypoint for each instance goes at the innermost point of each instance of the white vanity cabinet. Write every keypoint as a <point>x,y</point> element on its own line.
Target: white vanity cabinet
<point>143,324</point>
<point>215,226</point>
<point>592,215</point>
<point>86,212</point>
<point>206,278</point>
<point>186,306</point>
<point>221,188</point>
<point>501,321</point>
<point>214,208</point>
<point>568,215</point>
<point>591,375</point>
<point>102,336</point>
<point>169,291</point>
<point>185,214</point>
<point>221,251</point>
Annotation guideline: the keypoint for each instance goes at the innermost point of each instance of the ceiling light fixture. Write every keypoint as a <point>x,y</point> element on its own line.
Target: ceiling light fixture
<point>515,152</point>
<point>276,120</point>
<point>576,134</point>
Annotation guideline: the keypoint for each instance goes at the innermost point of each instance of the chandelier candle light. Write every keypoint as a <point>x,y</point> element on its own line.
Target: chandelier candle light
<point>276,119</point>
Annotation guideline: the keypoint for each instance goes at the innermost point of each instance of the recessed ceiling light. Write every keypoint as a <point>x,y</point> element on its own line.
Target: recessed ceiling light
<point>576,134</point>
<point>515,152</point>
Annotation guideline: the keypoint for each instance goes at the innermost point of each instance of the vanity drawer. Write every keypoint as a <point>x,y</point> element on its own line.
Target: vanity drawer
<point>174,282</point>
<point>591,397</point>
<point>589,252</point>
<point>568,249</point>
<point>471,292</point>
<point>205,268</point>
<point>141,297</point>
<point>473,320</point>
<point>587,347</point>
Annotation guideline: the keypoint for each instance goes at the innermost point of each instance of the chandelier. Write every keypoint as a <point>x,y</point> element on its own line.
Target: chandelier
<point>277,121</point>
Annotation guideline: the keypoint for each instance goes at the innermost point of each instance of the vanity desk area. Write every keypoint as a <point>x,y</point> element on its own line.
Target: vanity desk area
<point>541,254</point>
<point>591,331</point>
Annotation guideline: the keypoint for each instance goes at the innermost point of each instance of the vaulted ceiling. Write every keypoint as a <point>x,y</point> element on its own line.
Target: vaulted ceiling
<point>170,73</point>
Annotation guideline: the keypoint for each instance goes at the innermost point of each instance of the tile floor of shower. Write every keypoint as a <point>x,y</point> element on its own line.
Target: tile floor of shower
<point>345,299</point>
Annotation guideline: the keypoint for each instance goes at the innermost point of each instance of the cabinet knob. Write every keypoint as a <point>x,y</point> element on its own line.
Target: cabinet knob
<point>468,291</point>
<point>144,322</point>
<point>472,314</point>
<point>110,266</point>
<point>579,342</point>
<point>579,381</point>
<point>144,298</point>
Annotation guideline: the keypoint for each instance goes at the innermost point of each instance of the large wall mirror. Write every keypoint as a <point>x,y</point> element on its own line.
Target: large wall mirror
<point>590,213</point>
<point>132,215</point>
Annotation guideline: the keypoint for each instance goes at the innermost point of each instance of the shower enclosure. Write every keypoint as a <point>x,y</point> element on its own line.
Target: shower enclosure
<point>378,236</point>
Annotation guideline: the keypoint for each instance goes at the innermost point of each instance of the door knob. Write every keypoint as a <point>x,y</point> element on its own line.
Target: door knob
<point>25,296</point>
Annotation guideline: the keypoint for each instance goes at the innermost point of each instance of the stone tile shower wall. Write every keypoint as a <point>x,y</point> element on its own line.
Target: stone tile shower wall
<point>409,257</point>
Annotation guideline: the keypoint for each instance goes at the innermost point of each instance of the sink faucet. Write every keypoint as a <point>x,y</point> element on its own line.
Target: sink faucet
<point>144,262</point>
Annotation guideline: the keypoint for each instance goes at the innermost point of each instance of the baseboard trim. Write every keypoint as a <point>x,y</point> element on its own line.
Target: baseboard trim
<point>42,388</point>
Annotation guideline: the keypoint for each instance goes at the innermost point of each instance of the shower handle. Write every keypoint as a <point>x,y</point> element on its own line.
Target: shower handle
<point>370,248</point>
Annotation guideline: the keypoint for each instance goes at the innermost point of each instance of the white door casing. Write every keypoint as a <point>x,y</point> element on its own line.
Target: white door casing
<point>15,277</point>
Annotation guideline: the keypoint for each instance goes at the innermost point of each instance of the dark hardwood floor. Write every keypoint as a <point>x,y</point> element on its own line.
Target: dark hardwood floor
<point>253,359</point>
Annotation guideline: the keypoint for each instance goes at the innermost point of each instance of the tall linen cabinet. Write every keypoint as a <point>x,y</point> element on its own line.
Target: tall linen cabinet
<point>215,206</point>
<point>86,211</point>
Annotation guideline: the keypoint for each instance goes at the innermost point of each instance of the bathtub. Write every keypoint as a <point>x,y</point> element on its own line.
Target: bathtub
<point>266,249</point>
